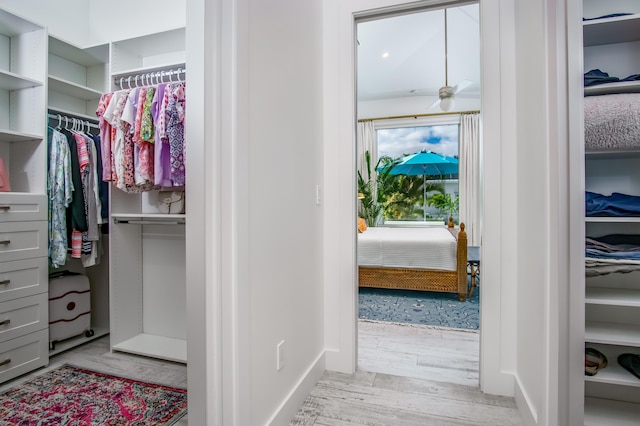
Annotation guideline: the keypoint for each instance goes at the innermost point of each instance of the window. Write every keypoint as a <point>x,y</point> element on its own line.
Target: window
<point>427,191</point>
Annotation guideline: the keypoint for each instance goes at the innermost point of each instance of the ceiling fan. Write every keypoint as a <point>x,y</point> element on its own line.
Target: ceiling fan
<point>446,94</point>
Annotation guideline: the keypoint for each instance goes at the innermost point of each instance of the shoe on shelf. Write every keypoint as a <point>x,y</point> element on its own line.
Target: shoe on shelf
<point>631,363</point>
<point>594,360</point>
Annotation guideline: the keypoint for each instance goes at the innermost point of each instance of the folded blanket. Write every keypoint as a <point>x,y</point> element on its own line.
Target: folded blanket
<point>612,122</point>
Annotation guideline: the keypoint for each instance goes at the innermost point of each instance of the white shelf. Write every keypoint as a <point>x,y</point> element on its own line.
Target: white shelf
<point>604,412</point>
<point>610,333</point>
<point>618,29</point>
<point>12,136</point>
<point>156,347</point>
<point>604,219</point>
<point>612,155</point>
<point>12,81</point>
<point>89,56</point>
<point>13,25</point>
<point>613,373</point>
<point>77,340</point>
<point>612,88</point>
<point>613,296</point>
<point>73,89</point>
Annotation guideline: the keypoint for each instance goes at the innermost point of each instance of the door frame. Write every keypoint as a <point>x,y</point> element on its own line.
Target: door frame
<point>497,354</point>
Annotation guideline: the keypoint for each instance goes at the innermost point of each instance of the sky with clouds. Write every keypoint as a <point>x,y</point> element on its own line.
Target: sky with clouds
<point>395,143</point>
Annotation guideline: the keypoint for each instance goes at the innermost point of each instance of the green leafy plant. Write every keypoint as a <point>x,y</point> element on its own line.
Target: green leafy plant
<point>444,203</point>
<point>404,197</point>
<point>372,188</point>
<point>391,197</point>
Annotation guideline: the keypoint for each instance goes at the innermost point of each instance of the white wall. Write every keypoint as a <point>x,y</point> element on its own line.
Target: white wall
<point>396,107</point>
<point>119,19</point>
<point>284,228</point>
<point>66,19</point>
<point>257,258</point>
<point>543,213</point>
<point>87,23</point>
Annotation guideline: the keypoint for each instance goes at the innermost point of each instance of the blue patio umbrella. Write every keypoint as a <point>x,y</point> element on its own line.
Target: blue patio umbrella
<point>426,163</point>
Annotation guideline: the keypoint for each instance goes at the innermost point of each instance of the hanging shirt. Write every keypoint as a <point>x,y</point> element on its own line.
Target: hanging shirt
<point>60,190</point>
<point>162,155</point>
<point>175,132</point>
<point>105,136</point>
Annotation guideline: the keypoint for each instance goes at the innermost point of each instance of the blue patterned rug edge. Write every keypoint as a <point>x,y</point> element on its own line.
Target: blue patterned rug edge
<point>442,310</point>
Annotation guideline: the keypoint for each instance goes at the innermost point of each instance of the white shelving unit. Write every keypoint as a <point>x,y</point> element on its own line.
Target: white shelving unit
<point>77,77</point>
<point>612,326</point>
<point>23,211</point>
<point>147,262</point>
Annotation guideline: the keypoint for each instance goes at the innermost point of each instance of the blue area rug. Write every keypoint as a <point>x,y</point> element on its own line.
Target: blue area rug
<point>420,307</point>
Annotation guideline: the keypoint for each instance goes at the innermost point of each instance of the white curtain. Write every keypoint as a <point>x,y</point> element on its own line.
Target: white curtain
<point>366,140</point>
<point>469,176</point>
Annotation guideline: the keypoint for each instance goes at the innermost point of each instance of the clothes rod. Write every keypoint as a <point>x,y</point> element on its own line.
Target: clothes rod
<point>65,117</point>
<point>150,78</point>
<point>148,222</point>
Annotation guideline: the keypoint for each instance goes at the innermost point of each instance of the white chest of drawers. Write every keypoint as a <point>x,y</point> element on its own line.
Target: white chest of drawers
<point>23,284</point>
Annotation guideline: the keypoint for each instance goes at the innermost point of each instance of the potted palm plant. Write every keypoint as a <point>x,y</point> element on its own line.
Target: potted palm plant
<point>445,203</point>
<point>371,190</point>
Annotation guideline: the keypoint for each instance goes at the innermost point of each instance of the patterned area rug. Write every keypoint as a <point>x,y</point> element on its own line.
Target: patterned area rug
<point>75,396</point>
<point>420,307</point>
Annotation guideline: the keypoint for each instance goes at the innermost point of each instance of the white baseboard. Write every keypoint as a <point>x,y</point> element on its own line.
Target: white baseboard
<point>293,401</point>
<point>525,407</point>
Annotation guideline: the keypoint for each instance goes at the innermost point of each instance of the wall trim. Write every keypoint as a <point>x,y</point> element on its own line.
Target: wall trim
<point>294,400</point>
<point>527,410</point>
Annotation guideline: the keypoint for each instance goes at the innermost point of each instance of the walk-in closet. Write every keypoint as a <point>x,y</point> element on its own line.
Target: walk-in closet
<point>53,90</point>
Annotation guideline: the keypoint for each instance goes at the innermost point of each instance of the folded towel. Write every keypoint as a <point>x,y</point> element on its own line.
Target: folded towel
<point>612,122</point>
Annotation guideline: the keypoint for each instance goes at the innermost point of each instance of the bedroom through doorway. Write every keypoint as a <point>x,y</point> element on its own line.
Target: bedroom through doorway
<point>418,170</point>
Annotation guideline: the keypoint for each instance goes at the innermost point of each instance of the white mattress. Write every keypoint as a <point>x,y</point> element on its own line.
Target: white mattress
<point>423,248</point>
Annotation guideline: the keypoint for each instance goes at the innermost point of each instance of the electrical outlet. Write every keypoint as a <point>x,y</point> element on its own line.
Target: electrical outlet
<point>317,195</point>
<point>280,356</point>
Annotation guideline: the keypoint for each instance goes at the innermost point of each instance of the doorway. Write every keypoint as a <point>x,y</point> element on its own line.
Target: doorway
<point>418,73</point>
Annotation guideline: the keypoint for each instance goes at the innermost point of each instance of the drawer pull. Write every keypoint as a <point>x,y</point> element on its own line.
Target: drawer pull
<point>5,362</point>
<point>5,242</point>
<point>5,282</point>
<point>5,322</point>
<point>5,208</point>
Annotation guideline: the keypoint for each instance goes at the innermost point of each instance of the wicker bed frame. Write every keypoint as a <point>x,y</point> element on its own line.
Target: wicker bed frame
<point>422,279</point>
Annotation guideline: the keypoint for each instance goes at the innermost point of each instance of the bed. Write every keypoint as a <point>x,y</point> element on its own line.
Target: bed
<point>427,259</point>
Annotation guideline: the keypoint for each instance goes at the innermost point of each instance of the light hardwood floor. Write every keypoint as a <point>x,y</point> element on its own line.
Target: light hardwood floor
<point>408,375</point>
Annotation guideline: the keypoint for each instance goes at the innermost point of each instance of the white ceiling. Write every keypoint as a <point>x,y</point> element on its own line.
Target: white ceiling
<point>415,61</point>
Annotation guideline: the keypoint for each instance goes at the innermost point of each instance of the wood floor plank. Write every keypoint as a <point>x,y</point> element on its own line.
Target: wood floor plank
<point>441,389</point>
<point>368,405</point>
<point>388,389</point>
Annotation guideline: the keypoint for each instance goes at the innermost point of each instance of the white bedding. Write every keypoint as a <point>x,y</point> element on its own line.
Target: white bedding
<point>422,248</point>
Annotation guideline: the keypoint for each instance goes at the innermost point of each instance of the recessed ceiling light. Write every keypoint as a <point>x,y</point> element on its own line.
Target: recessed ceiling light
<point>385,55</point>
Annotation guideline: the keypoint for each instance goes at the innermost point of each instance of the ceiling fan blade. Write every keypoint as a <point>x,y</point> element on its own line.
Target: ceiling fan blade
<point>460,86</point>
<point>434,104</point>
